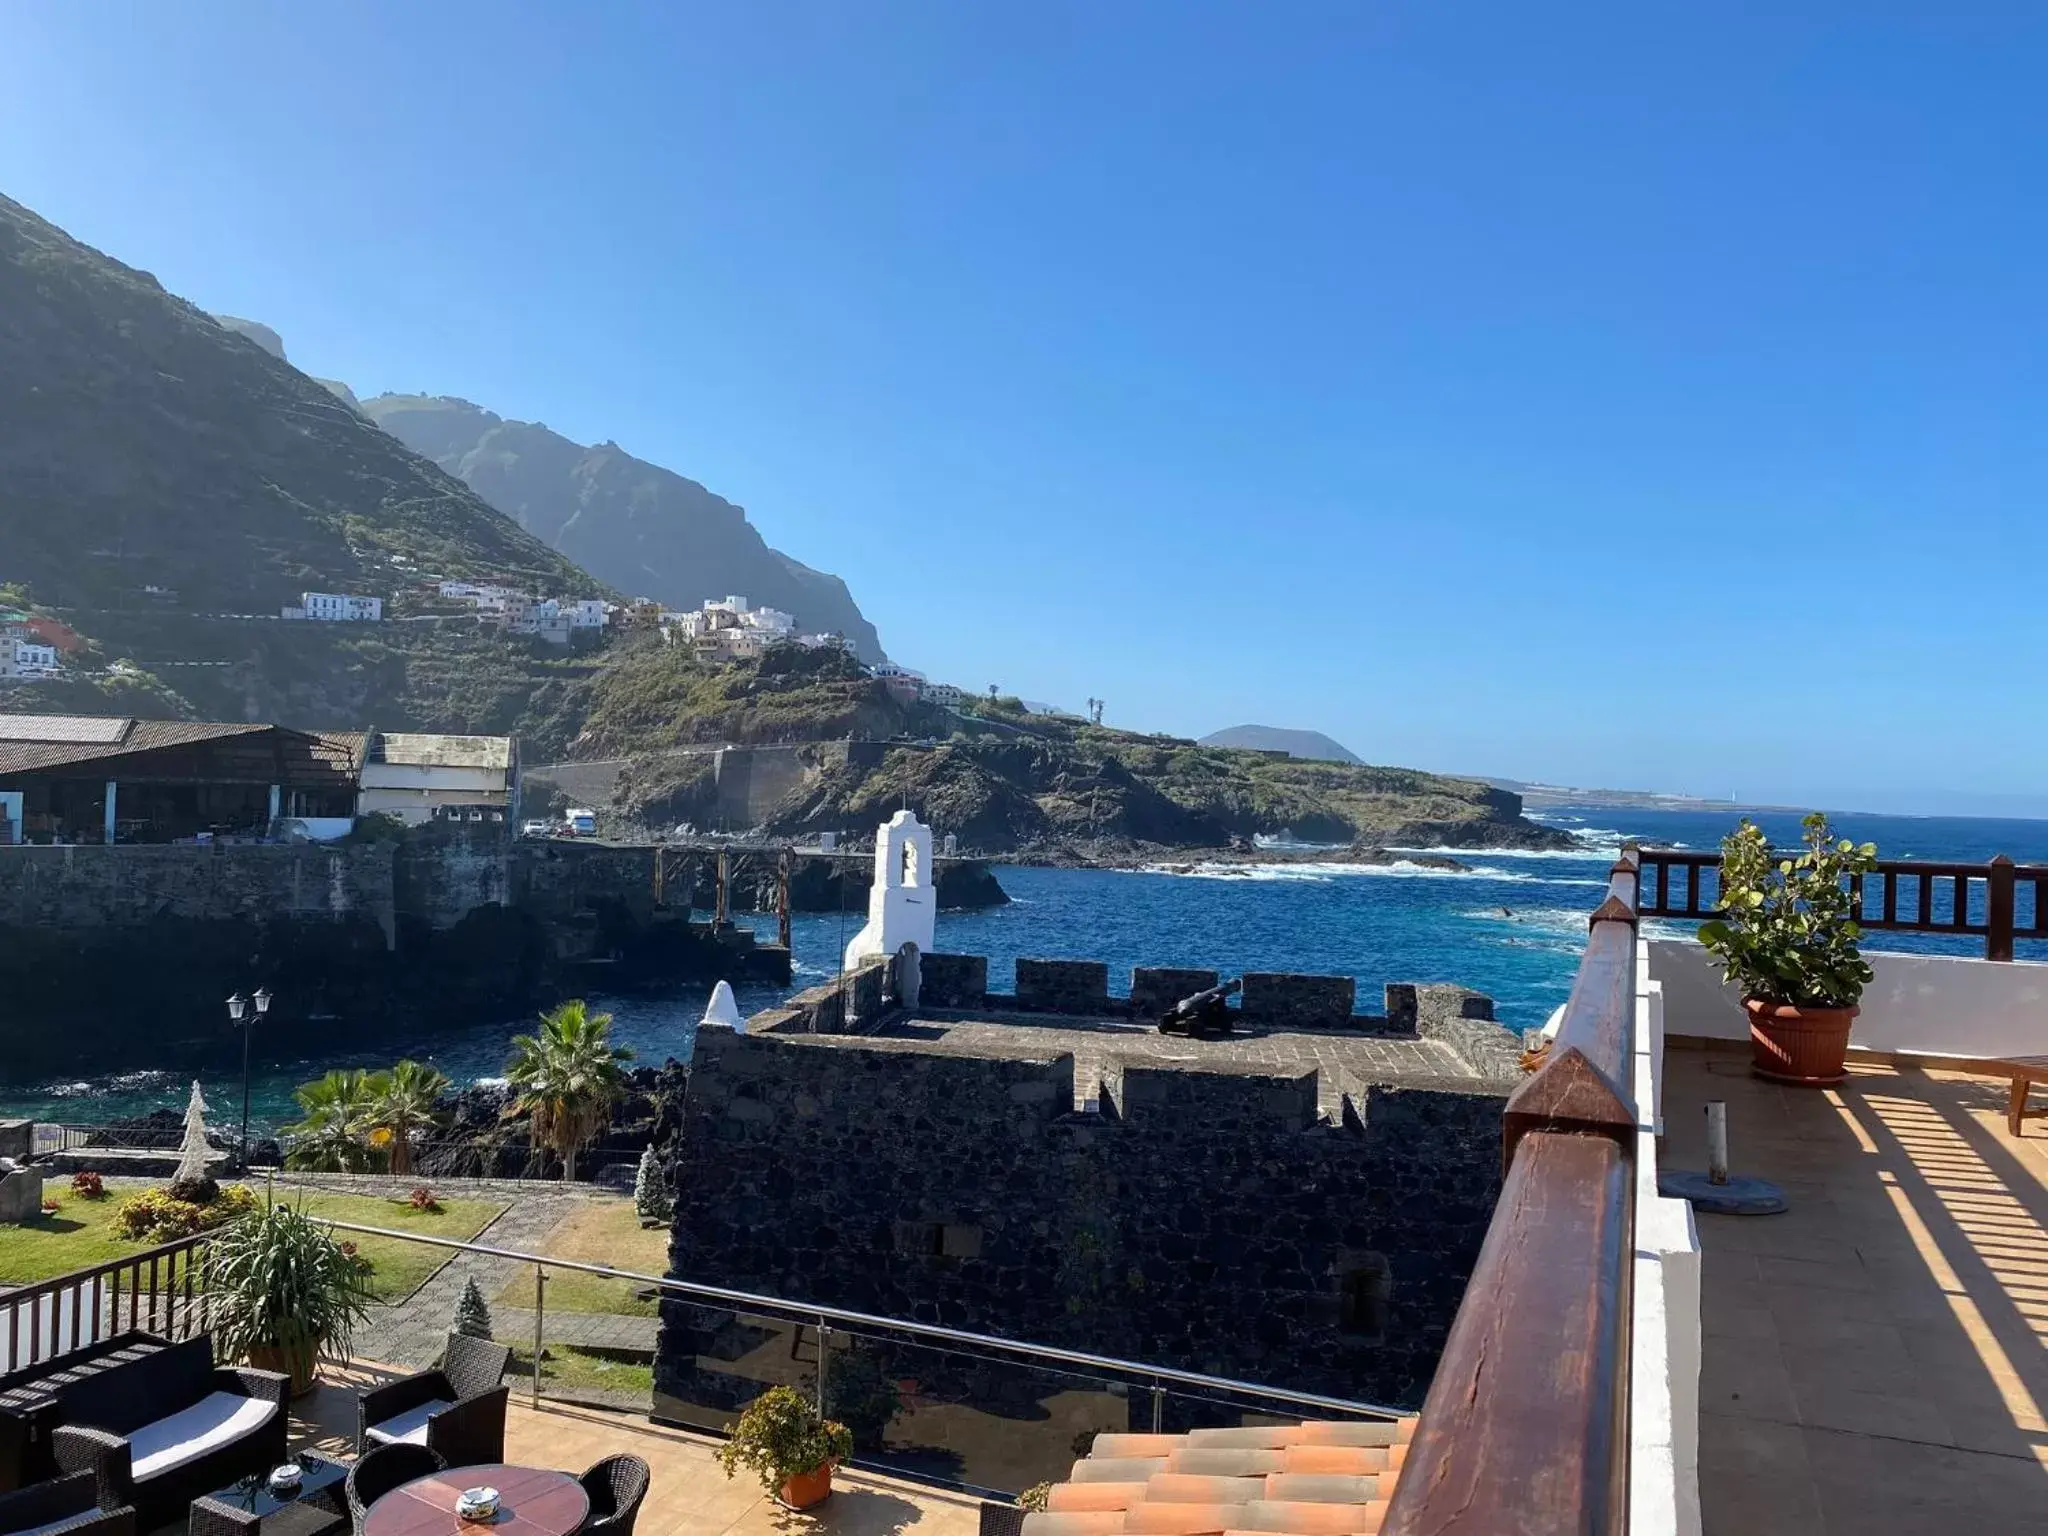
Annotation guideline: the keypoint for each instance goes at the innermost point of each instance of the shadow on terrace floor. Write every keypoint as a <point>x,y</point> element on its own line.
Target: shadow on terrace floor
<point>689,1494</point>
<point>1873,1359</point>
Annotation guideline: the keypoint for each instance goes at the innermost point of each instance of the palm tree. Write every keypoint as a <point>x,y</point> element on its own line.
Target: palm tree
<point>567,1078</point>
<point>341,1111</point>
<point>408,1106</point>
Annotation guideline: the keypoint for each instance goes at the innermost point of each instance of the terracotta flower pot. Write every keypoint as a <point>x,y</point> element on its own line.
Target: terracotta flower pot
<point>807,1489</point>
<point>1806,1047</point>
<point>299,1364</point>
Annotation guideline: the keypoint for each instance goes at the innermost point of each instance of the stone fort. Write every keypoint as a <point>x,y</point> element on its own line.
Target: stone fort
<point>1299,1204</point>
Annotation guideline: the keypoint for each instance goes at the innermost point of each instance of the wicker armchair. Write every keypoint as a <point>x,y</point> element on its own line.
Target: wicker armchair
<point>160,1431</point>
<point>457,1410</point>
<point>64,1506</point>
<point>616,1486</point>
<point>386,1468</point>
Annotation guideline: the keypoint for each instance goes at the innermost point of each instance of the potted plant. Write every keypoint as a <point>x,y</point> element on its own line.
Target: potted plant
<point>789,1445</point>
<point>1787,937</point>
<point>284,1292</point>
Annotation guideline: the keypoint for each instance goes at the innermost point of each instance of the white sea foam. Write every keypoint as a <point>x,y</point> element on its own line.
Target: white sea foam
<point>1323,873</point>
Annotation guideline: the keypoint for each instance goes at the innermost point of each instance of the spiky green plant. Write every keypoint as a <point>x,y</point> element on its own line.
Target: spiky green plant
<point>567,1078</point>
<point>279,1282</point>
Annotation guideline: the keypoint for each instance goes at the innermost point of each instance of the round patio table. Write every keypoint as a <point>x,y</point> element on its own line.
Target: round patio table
<point>532,1501</point>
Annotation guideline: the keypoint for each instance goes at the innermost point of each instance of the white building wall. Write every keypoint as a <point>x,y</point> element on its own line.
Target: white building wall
<point>1930,1005</point>
<point>341,607</point>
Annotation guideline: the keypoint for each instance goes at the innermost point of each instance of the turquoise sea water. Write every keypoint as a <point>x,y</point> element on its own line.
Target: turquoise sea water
<point>1511,927</point>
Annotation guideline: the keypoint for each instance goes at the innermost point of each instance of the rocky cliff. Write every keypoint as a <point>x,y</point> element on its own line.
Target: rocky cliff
<point>640,527</point>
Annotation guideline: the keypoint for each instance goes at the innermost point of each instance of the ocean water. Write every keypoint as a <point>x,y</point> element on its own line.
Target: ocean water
<point>1512,926</point>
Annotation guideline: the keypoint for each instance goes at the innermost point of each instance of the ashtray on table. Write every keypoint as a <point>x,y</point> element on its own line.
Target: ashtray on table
<point>477,1503</point>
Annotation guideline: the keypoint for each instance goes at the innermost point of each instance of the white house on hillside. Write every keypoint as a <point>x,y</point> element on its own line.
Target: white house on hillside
<point>339,608</point>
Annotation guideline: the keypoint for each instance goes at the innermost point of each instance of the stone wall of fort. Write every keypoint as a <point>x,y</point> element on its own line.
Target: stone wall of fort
<point>1211,1220</point>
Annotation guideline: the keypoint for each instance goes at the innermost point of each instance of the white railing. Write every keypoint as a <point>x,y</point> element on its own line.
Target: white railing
<point>1664,1371</point>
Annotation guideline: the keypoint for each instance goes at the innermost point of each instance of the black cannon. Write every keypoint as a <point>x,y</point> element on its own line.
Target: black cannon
<point>1205,1016</point>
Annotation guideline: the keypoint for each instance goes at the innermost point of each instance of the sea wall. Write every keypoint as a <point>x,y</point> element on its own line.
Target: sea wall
<point>110,955</point>
<point>1206,1220</point>
<point>129,886</point>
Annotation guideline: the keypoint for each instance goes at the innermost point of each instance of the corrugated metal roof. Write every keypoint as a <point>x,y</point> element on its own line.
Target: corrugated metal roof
<point>432,751</point>
<point>326,755</point>
<point>76,729</point>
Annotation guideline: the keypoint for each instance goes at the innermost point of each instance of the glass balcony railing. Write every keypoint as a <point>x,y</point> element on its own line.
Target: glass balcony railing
<point>939,1404</point>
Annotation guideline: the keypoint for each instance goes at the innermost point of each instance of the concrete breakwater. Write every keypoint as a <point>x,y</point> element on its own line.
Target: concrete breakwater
<point>108,952</point>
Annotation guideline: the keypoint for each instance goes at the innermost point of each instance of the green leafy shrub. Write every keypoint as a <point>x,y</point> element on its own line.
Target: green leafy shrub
<point>1788,932</point>
<point>781,1436</point>
<point>157,1216</point>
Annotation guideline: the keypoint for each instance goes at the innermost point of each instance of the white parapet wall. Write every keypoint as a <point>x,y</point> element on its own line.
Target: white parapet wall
<point>1664,1365</point>
<point>1928,1005</point>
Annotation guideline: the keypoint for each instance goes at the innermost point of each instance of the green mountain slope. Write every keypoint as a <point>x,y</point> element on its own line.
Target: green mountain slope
<point>143,445</point>
<point>644,529</point>
<point>168,484</point>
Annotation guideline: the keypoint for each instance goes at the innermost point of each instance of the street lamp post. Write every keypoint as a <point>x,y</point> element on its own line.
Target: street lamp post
<point>241,1014</point>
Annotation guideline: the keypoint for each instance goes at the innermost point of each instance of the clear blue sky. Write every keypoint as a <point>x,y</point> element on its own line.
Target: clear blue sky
<point>1652,394</point>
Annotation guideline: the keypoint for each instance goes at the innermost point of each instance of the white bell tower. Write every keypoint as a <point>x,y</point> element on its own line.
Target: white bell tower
<point>903,903</point>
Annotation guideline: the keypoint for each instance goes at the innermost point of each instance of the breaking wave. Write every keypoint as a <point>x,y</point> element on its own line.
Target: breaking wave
<point>1324,873</point>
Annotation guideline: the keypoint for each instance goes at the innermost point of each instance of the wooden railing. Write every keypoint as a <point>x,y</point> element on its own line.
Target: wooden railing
<point>1898,896</point>
<point>1526,1426</point>
<point>159,1290</point>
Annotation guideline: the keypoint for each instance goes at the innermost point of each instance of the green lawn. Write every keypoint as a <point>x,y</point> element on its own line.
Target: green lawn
<point>565,1368</point>
<point>79,1236</point>
<point>606,1232</point>
<point>82,1235</point>
<point>398,1267</point>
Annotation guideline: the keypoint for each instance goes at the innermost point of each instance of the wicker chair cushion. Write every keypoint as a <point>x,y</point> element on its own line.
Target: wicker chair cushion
<point>409,1427</point>
<point>218,1419</point>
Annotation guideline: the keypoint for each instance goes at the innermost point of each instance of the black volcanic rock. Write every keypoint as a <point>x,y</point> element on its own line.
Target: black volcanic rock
<point>642,528</point>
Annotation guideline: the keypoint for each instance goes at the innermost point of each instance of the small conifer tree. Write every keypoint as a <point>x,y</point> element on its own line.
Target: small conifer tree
<point>650,1195</point>
<point>472,1312</point>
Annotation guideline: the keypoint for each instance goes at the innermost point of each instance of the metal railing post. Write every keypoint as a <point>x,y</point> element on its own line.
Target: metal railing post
<point>824,1344</point>
<point>540,1305</point>
<point>1158,1408</point>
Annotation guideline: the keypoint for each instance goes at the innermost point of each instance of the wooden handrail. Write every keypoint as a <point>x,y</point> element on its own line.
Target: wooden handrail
<point>1525,1429</point>
<point>1672,887</point>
